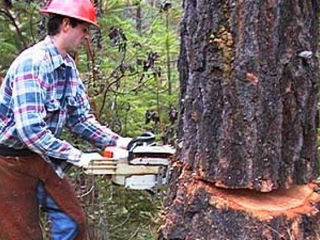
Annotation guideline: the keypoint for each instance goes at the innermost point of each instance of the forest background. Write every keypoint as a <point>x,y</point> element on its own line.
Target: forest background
<point>131,75</point>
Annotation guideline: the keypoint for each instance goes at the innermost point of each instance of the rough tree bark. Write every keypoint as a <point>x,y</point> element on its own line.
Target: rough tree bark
<point>249,85</point>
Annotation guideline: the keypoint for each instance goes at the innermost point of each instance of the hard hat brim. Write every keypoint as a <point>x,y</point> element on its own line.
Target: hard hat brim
<point>44,11</point>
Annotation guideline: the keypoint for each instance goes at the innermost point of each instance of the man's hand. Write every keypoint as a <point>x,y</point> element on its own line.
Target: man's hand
<point>86,158</point>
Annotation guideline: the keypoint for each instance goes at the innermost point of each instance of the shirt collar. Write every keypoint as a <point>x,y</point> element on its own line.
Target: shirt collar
<point>56,57</point>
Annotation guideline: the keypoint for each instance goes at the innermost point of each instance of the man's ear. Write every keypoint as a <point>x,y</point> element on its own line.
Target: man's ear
<point>65,24</point>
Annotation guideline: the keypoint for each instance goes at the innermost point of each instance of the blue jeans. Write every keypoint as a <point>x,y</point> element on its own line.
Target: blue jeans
<point>63,227</point>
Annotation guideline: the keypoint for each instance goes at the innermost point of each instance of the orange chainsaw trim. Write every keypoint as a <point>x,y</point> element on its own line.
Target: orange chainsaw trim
<point>107,154</point>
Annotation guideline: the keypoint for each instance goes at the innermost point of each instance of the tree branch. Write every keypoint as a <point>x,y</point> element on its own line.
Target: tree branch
<point>7,14</point>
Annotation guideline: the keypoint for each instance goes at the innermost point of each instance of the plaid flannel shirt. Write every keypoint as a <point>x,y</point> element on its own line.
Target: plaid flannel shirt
<point>37,102</point>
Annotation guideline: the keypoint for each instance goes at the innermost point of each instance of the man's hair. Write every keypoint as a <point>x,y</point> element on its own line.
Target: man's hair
<point>55,21</point>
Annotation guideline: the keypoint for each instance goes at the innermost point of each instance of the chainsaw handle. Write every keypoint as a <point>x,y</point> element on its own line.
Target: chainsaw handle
<point>146,138</point>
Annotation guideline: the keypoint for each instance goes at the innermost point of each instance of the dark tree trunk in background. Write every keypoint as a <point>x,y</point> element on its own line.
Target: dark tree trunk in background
<point>249,85</point>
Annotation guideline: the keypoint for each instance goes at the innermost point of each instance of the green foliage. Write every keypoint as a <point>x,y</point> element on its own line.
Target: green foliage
<point>133,66</point>
<point>18,29</point>
<point>120,213</point>
<point>133,71</point>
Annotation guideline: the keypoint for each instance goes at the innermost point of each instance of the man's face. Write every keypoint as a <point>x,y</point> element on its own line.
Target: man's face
<point>76,37</point>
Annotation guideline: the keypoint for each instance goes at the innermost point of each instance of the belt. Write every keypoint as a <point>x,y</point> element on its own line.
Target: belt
<point>11,152</point>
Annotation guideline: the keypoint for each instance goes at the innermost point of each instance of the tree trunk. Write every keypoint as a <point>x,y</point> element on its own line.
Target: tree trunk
<point>200,211</point>
<point>249,84</point>
<point>250,101</point>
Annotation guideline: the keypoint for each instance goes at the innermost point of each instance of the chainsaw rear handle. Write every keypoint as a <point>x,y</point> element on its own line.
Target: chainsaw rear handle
<point>146,138</point>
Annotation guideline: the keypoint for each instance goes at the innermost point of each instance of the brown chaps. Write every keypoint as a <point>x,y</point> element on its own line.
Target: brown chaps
<point>19,216</point>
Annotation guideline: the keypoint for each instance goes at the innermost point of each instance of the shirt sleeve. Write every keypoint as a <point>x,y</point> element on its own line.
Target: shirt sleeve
<point>29,113</point>
<point>84,123</point>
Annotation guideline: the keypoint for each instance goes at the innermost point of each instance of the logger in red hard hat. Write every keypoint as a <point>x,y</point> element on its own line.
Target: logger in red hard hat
<point>39,96</point>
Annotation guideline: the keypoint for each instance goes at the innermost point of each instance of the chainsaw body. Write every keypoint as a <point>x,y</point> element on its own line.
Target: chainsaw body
<point>143,167</point>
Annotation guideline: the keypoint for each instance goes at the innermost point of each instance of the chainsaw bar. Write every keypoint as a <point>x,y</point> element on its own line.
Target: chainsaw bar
<point>114,167</point>
<point>144,167</point>
<point>108,166</point>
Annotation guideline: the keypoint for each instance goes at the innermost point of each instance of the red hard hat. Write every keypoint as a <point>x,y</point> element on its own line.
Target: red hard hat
<point>79,9</point>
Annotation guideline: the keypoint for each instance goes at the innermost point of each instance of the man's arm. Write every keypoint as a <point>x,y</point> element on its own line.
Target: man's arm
<point>28,97</point>
<point>84,124</point>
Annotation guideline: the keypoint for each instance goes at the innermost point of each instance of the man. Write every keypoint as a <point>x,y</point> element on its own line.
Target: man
<point>40,95</point>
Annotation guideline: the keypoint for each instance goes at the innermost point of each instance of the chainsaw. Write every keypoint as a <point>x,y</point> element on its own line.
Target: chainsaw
<point>144,166</point>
